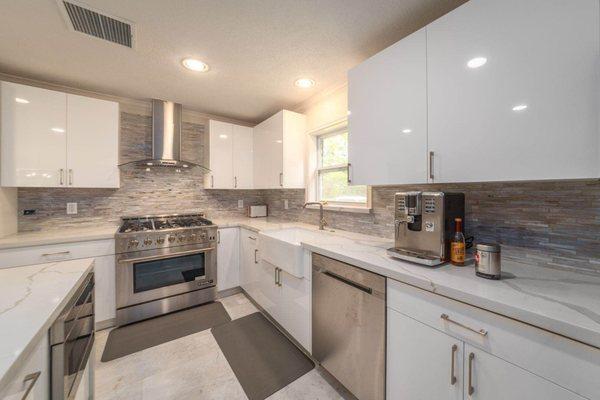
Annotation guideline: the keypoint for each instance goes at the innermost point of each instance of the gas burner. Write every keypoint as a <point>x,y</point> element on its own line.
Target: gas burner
<point>136,225</point>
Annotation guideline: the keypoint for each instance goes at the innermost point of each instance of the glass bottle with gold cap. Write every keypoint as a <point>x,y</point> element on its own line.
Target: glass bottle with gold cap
<point>457,244</point>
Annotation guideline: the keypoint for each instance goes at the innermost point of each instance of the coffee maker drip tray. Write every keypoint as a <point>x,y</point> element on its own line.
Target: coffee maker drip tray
<point>419,258</point>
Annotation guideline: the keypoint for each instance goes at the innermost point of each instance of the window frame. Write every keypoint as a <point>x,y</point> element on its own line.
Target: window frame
<point>320,169</point>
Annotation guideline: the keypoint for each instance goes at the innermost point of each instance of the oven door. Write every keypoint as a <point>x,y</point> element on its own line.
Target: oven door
<point>156,274</point>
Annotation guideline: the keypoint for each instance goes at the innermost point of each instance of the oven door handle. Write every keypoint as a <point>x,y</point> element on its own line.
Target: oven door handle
<point>170,255</point>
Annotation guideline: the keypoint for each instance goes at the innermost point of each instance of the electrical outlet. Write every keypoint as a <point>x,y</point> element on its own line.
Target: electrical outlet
<point>29,212</point>
<point>71,208</point>
<point>240,203</point>
<point>286,205</point>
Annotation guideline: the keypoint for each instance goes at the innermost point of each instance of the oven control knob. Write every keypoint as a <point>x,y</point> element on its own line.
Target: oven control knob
<point>192,237</point>
<point>133,243</point>
<point>147,241</point>
<point>171,239</point>
<point>181,238</point>
<point>160,240</point>
<point>203,235</point>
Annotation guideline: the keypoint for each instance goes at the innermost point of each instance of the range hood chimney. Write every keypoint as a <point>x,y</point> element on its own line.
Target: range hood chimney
<point>166,137</point>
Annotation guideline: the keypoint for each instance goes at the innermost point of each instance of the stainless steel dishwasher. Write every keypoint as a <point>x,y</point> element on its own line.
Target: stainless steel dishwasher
<point>348,325</point>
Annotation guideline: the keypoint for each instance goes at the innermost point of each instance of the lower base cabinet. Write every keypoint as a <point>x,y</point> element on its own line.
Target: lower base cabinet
<point>228,258</point>
<point>283,296</point>
<point>34,376</point>
<point>438,348</point>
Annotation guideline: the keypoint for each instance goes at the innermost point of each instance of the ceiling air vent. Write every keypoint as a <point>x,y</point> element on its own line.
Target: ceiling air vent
<point>85,20</point>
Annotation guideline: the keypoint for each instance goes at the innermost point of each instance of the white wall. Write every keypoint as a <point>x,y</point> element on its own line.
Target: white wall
<point>8,211</point>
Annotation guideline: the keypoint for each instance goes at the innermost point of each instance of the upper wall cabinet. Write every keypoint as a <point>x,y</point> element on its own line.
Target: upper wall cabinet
<point>387,99</point>
<point>54,139</point>
<point>230,156</point>
<point>279,150</point>
<point>513,91</point>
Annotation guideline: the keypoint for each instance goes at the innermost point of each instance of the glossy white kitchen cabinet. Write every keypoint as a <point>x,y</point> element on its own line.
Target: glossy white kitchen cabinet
<point>279,151</point>
<point>92,142</point>
<point>37,363</point>
<point>531,111</point>
<point>422,362</point>
<point>221,150</point>
<point>230,156</point>
<point>387,122</point>
<point>243,157</point>
<point>512,360</point>
<point>34,136</point>
<point>54,139</point>
<point>295,308</point>
<point>228,258</point>
<point>491,378</point>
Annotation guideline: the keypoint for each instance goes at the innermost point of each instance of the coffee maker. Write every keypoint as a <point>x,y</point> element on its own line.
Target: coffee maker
<point>424,223</point>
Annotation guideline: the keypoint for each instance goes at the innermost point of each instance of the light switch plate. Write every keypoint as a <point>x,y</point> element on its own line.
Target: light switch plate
<point>286,205</point>
<point>240,203</point>
<point>71,208</point>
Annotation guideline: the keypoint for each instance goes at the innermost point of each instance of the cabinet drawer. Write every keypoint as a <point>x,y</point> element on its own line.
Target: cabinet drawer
<point>55,252</point>
<point>565,362</point>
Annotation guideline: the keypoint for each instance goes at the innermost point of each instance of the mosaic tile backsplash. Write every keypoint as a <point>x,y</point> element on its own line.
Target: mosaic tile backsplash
<point>552,223</point>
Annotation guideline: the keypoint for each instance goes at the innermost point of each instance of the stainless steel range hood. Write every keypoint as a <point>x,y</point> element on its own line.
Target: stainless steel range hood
<point>166,137</point>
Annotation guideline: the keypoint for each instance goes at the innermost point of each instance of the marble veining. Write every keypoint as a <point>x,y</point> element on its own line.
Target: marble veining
<point>32,297</point>
<point>564,302</point>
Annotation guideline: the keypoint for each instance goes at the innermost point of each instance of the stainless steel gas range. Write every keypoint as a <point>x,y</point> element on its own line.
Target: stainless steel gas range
<point>164,263</point>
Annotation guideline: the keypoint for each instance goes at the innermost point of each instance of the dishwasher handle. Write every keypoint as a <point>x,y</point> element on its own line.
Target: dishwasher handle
<point>348,282</point>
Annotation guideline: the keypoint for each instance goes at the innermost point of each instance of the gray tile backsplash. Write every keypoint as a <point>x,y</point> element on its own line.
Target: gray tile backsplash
<point>553,223</point>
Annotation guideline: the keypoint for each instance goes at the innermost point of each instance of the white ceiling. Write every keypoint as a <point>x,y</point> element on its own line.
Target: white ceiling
<point>256,48</point>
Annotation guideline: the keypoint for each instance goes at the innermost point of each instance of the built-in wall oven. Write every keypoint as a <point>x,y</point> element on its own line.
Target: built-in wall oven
<point>71,341</point>
<point>166,270</point>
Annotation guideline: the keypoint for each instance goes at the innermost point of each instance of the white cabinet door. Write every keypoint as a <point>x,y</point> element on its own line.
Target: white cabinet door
<point>243,158</point>
<point>268,153</point>
<point>531,111</point>
<point>268,294</point>
<point>421,361</point>
<point>38,362</point>
<point>221,150</point>
<point>92,142</point>
<point>294,307</point>
<point>228,258</point>
<point>249,245</point>
<point>490,378</point>
<point>294,150</point>
<point>33,140</point>
<point>387,100</point>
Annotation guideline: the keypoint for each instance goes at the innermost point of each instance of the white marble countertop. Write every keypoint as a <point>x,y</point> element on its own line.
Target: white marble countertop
<point>31,298</point>
<point>564,302</point>
<point>55,236</point>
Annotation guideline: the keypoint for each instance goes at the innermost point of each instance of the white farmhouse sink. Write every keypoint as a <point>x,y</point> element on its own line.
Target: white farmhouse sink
<point>281,247</point>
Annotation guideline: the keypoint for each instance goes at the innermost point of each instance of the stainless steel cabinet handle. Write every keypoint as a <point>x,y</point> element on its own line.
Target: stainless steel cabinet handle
<point>348,172</point>
<point>255,260</point>
<point>452,376</point>
<point>56,254</point>
<point>235,182</point>
<point>62,176</point>
<point>252,238</point>
<point>481,332</point>
<point>471,388</point>
<point>281,179</point>
<point>70,177</point>
<point>218,236</point>
<point>32,378</point>
<point>431,164</point>
<point>276,278</point>
<point>212,181</point>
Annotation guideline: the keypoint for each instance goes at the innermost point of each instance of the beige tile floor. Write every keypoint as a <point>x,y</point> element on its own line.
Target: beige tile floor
<point>192,367</point>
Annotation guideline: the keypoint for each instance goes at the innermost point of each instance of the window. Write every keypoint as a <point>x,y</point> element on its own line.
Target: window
<point>332,171</point>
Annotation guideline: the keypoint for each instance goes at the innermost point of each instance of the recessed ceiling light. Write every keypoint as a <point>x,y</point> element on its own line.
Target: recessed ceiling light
<point>194,65</point>
<point>476,62</point>
<point>58,130</point>
<point>519,107</point>
<point>22,101</point>
<point>406,130</point>
<point>223,136</point>
<point>304,83</point>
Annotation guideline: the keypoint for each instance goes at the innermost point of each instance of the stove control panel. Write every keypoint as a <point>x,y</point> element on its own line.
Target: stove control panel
<point>148,240</point>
